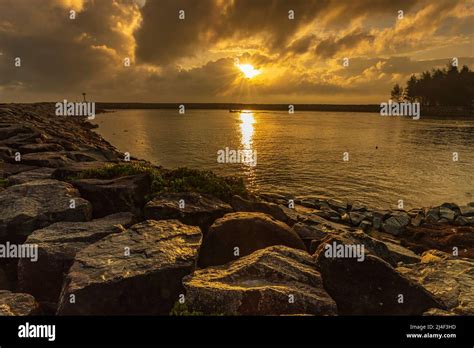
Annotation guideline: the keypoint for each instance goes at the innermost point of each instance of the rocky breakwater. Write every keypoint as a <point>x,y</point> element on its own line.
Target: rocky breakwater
<point>84,232</point>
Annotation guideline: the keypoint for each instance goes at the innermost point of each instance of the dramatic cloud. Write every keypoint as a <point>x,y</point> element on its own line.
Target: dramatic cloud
<point>193,59</point>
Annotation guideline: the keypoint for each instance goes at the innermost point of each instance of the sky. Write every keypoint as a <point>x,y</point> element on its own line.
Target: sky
<point>305,51</point>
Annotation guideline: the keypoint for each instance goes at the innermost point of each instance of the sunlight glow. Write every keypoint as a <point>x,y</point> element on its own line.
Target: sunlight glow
<point>248,70</point>
<point>246,129</point>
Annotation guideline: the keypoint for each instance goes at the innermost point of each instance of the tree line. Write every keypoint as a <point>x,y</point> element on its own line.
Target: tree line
<point>438,87</point>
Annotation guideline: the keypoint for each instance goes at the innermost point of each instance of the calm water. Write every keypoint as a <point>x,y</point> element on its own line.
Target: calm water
<point>390,158</point>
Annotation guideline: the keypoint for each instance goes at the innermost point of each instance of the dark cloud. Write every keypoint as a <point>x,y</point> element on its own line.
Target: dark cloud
<point>193,60</point>
<point>164,37</point>
<point>331,46</point>
<point>58,53</point>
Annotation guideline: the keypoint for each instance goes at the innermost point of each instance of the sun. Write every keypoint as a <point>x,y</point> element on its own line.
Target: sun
<point>248,70</point>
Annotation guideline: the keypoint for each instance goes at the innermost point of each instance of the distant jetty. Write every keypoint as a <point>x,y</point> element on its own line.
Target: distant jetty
<point>237,107</point>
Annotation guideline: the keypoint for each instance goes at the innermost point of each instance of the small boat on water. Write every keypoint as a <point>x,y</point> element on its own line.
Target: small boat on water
<point>240,111</point>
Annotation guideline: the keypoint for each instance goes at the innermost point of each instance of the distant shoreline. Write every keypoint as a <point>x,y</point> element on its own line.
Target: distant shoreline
<point>431,112</point>
<point>375,108</point>
<point>243,106</point>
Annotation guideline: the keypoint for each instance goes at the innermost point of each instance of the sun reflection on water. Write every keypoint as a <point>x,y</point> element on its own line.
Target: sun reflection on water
<point>247,121</point>
<point>246,128</point>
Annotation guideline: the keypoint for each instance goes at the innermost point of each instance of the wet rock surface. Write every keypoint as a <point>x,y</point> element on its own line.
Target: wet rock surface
<point>36,204</point>
<point>57,246</point>
<point>30,175</point>
<point>449,279</point>
<point>110,196</point>
<point>273,281</point>
<point>190,208</point>
<point>105,280</point>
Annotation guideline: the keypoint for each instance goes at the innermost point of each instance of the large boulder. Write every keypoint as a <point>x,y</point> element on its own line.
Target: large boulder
<point>57,246</point>
<point>467,210</point>
<point>136,272</point>
<point>273,281</point>
<point>35,204</point>
<point>446,214</point>
<point>30,175</point>
<point>450,280</point>
<point>389,252</point>
<point>309,233</point>
<point>8,169</point>
<point>110,196</point>
<point>10,130</point>
<point>369,285</point>
<point>41,147</point>
<point>277,211</point>
<point>22,139</point>
<point>401,254</point>
<point>396,223</point>
<point>17,304</point>
<point>313,229</point>
<point>240,234</point>
<point>432,215</point>
<point>188,207</point>
<point>46,159</point>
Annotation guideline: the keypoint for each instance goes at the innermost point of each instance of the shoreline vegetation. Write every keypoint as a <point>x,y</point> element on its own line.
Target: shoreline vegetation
<point>431,111</point>
<point>188,242</point>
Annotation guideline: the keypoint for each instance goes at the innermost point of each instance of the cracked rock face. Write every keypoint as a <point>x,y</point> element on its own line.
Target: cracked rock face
<point>450,280</point>
<point>105,279</point>
<point>197,209</point>
<point>36,204</point>
<point>57,245</point>
<point>272,281</point>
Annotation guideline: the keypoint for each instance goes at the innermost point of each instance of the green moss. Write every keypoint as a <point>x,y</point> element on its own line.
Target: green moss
<point>177,180</point>
<point>3,182</point>
<point>192,180</point>
<point>111,171</point>
<point>181,309</point>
